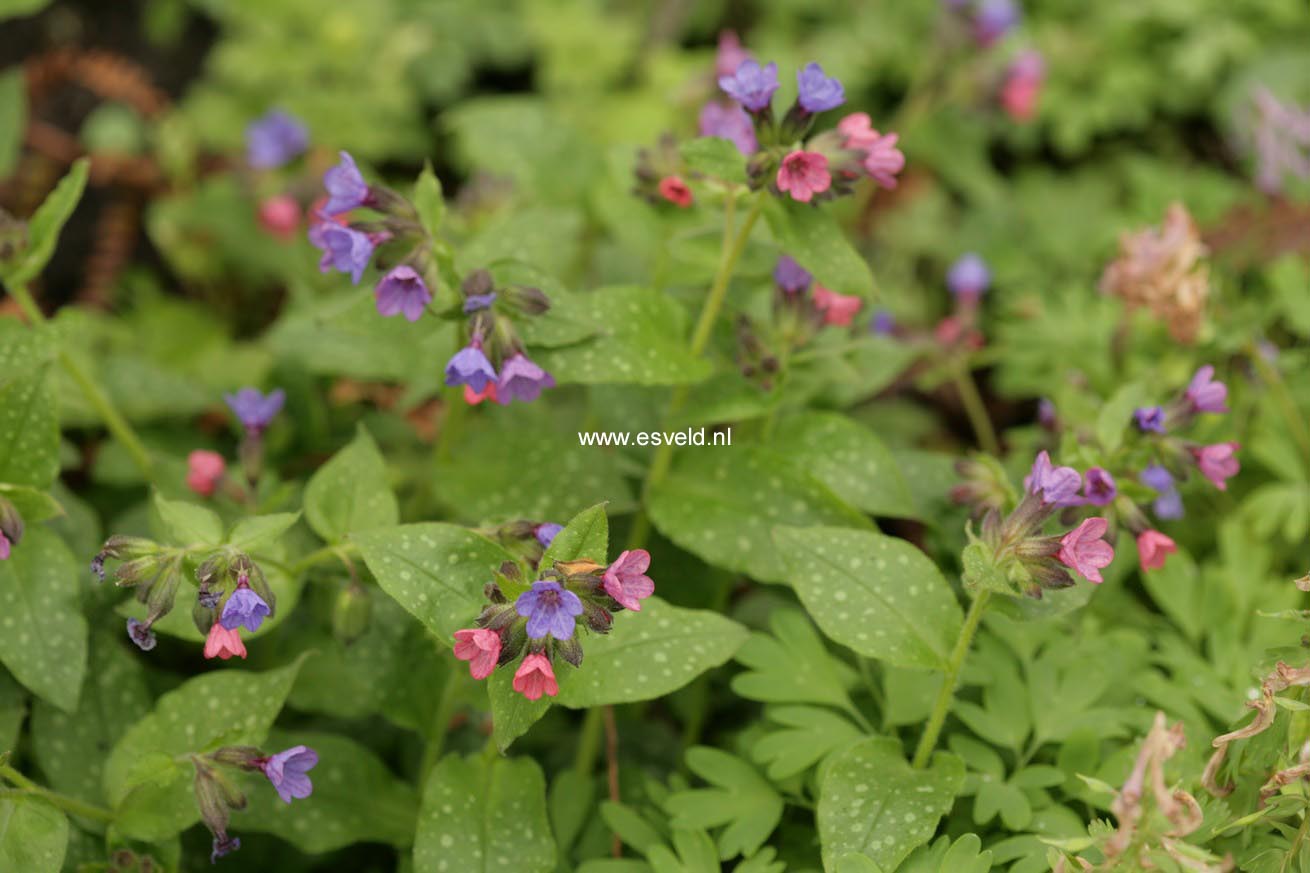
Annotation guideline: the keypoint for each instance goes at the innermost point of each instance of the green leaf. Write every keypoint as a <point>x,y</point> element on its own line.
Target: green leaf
<point>428,200</point>
<point>877,595</point>
<point>873,803</point>
<point>29,427</point>
<point>42,631</point>
<point>512,714</point>
<point>572,804</point>
<point>809,735</point>
<point>32,504</point>
<point>585,536</point>
<point>641,341</point>
<point>742,799</point>
<point>715,157</point>
<point>13,708</point>
<point>1117,414</point>
<point>184,524</point>
<point>46,223</point>
<point>849,459</point>
<point>257,531</point>
<point>814,239</point>
<point>965,855</point>
<point>629,826</point>
<point>791,666</point>
<point>13,117</point>
<point>337,814</point>
<point>149,788</point>
<point>649,654</point>
<point>33,835</point>
<point>436,571</point>
<point>720,505</point>
<point>480,815</point>
<point>350,492</point>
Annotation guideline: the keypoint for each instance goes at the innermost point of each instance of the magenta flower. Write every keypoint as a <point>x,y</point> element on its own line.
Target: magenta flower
<point>1150,419</point>
<point>275,139</point>
<point>1082,549</point>
<point>1099,487</point>
<point>804,174</point>
<point>969,277</point>
<point>626,580</point>
<point>205,471</point>
<point>882,160</point>
<point>1204,394</point>
<point>402,291</point>
<point>254,409</point>
<point>1218,463</point>
<point>816,91</point>
<point>550,609</point>
<point>288,771</point>
<point>751,85</point>
<point>1057,486</point>
<point>790,276</point>
<point>469,366</point>
<point>546,533</point>
<point>1023,85</point>
<point>730,123</point>
<point>535,677</point>
<point>837,309</point>
<point>1153,548</point>
<point>346,187</point>
<point>244,608</point>
<point>480,647</point>
<point>344,248</point>
<point>521,379</point>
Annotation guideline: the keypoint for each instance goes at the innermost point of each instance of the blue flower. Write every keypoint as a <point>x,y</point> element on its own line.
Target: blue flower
<point>546,533</point>
<point>469,366</point>
<point>817,92</point>
<point>752,85</point>
<point>791,276</point>
<point>288,771</point>
<point>1169,505</point>
<point>1150,418</point>
<point>475,302</point>
<point>344,249</point>
<point>346,187</point>
<point>521,379</point>
<point>244,608</point>
<point>402,291</point>
<point>254,409</point>
<point>549,609</point>
<point>969,276</point>
<point>275,139</point>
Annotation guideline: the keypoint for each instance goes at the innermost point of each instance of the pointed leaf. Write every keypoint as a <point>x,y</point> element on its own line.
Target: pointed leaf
<point>350,492</point>
<point>33,835</point>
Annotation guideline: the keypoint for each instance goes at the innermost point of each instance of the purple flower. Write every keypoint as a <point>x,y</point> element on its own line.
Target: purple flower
<point>469,366</point>
<point>1169,505</point>
<point>791,276</point>
<point>1149,418</point>
<point>1205,394</point>
<point>969,276</point>
<point>223,845</point>
<point>884,323</point>
<point>1047,416</point>
<point>244,607</point>
<point>994,19</point>
<point>288,772</point>
<point>346,187</point>
<point>549,609</point>
<point>344,249</point>
<point>1099,487</point>
<point>521,379</point>
<point>474,302</point>
<point>1057,486</point>
<point>402,290</point>
<point>546,533</point>
<point>274,139</point>
<point>141,634</point>
<point>752,85</point>
<point>255,410</point>
<point>817,92</point>
<point>730,123</point>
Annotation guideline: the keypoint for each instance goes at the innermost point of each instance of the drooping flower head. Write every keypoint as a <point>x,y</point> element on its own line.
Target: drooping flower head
<point>546,533</point>
<point>675,190</point>
<point>344,248</point>
<point>1169,505</point>
<point>817,92</point>
<point>254,409</point>
<point>140,634</point>
<point>731,123</point>
<point>804,174</point>
<point>1082,549</point>
<point>204,471</point>
<point>993,19</point>
<point>969,277</point>
<point>550,609</point>
<point>223,643</point>
<point>223,845</point>
<point>535,677</point>
<point>521,379</point>
<point>1153,548</point>
<point>473,398</point>
<point>626,581</point>
<point>1218,462</point>
<point>1150,419</point>
<point>244,608</point>
<point>289,772</point>
<point>402,291</point>
<point>346,187</point>
<point>274,139</point>
<point>470,367</point>
<point>882,159</point>
<point>751,85</point>
<point>480,647</point>
<point>790,276</point>
<point>1099,486</point>
<point>1204,394</point>
<point>1057,486</point>
<point>837,309</point>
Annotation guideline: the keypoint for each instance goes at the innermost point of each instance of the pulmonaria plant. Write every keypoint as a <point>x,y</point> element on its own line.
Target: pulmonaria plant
<point>542,622</point>
<point>217,793</point>
<point>494,365</point>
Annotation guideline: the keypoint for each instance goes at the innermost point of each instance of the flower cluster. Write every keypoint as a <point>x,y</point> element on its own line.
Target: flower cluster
<point>217,794</point>
<point>1175,456</point>
<point>1160,269</point>
<point>254,411</point>
<point>494,364</point>
<point>541,620</point>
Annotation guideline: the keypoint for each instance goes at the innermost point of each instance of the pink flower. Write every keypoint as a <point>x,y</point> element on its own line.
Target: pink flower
<point>804,174</point>
<point>1152,549</point>
<point>535,678</point>
<point>204,471</point>
<point>882,160</point>
<point>838,309</point>
<point>4,546</point>
<point>473,398</point>
<point>1082,549</point>
<point>480,647</point>
<point>280,216</point>
<point>1218,463</point>
<point>1023,85</point>
<point>224,643</point>
<point>626,580</point>
<point>674,190</point>
<point>731,53</point>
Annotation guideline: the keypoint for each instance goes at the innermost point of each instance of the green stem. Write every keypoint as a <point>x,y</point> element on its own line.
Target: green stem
<point>70,805</point>
<point>115,422</point>
<point>976,410</point>
<point>1286,402</point>
<point>933,728</point>
<point>584,761</point>
<point>340,551</point>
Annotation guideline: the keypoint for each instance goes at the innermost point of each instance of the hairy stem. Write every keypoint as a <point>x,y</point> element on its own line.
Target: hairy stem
<point>70,805</point>
<point>933,728</point>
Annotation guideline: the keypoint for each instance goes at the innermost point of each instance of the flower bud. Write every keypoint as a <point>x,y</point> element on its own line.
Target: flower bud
<point>163,590</point>
<point>351,613</point>
<point>570,650</point>
<point>203,616</point>
<point>530,301</point>
<point>244,757</point>
<point>512,641</point>
<point>477,283</point>
<point>491,591</point>
<point>216,797</point>
<point>130,573</point>
<point>121,548</point>
<point>243,566</point>
<point>597,617</point>
<point>1049,573</point>
<point>497,617</point>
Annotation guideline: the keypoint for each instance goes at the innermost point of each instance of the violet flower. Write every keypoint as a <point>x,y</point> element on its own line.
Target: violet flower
<point>521,379</point>
<point>288,771</point>
<point>254,409</point>
<point>344,248</point>
<point>346,187</point>
<point>244,608</point>
<point>1204,394</point>
<point>730,123</point>
<point>790,276</point>
<point>1169,505</point>
<point>476,302</point>
<point>275,139</point>
<point>816,91</point>
<point>550,609</point>
<point>1150,419</point>
<point>1057,486</point>
<point>752,85</point>
<point>469,366</point>
<point>140,634</point>
<point>969,276</point>
<point>402,291</point>
<point>546,533</point>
